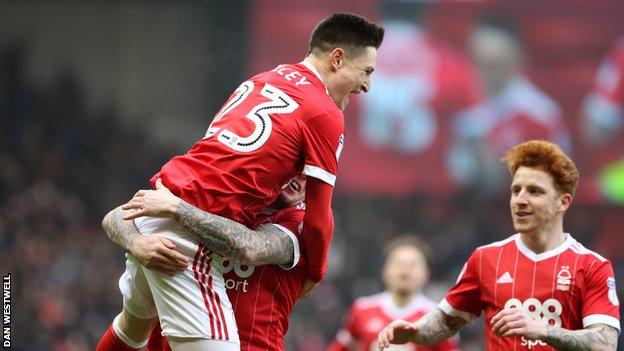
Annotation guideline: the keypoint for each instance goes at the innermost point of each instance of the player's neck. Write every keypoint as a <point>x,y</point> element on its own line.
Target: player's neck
<point>319,65</point>
<point>325,71</point>
<point>401,300</point>
<point>544,239</point>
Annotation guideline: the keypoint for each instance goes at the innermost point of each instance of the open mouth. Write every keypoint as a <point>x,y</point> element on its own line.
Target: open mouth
<point>523,214</point>
<point>294,185</point>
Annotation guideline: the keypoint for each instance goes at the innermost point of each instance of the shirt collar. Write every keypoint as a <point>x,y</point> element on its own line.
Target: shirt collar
<point>313,69</point>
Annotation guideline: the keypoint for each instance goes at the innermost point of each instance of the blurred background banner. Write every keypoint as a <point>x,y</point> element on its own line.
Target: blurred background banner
<point>439,84</point>
<point>96,96</point>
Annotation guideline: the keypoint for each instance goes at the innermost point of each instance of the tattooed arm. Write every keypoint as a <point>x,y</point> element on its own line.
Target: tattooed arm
<point>121,232</point>
<point>437,326</point>
<point>594,337</point>
<point>151,251</point>
<point>266,245</point>
<point>514,322</point>
<point>433,328</point>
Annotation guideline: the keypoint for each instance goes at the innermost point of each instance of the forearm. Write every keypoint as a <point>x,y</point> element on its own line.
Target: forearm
<point>436,326</point>
<point>120,231</point>
<point>318,227</point>
<point>598,337</point>
<point>233,240</point>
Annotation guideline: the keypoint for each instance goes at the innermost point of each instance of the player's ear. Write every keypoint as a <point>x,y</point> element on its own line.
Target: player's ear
<point>337,57</point>
<point>564,202</point>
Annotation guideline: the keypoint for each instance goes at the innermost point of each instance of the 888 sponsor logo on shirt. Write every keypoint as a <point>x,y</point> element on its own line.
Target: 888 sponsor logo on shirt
<point>547,312</point>
<point>238,280</point>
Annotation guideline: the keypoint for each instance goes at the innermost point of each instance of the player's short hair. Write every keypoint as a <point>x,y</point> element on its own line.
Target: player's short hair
<point>411,240</point>
<point>547,157</point>
<point>348,31</point>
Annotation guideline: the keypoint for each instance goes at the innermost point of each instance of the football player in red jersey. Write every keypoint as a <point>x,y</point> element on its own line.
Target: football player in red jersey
<point>274,125</point>
<point>405,274</point>
<point>539,289</point>
<point>262,295</point>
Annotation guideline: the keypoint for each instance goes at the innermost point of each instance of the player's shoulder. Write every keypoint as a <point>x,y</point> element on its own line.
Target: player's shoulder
<point>497,245</point>
<point>589,255</point>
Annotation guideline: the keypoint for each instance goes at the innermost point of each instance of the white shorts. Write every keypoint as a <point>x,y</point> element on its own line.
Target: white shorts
<point>191,304</point>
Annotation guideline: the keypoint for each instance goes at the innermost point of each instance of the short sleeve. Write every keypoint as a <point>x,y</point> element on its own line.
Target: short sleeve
<point>464,298</point>
<point>600,301</point>
<point>290,221</point>
<point>323,140</point>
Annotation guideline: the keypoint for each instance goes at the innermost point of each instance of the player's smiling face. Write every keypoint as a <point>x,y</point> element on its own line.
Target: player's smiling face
<point>353,75</point>
<point>535,201</point>
<point>293,192</point>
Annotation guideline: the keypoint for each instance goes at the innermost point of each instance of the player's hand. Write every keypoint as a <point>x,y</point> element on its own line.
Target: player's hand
<point>308,288</point>
<point>158,253</point>
<point>397,332</point>
<point>155,203</point>
<point>514,322</point>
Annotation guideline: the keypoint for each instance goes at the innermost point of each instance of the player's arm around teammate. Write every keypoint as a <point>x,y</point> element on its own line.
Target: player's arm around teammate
<point>153,252</point>
<point>227,238</point>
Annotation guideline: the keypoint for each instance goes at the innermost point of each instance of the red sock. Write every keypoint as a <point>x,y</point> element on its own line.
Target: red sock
<point>110,342</point>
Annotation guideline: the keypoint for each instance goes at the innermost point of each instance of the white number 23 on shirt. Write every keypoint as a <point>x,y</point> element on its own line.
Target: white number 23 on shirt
<point>260,115</point>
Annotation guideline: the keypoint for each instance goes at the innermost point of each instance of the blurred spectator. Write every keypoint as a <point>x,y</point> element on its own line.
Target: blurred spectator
<point>62,166</point>
<point>402,125</point>
<point>603,113</point>
<point>515,110</point>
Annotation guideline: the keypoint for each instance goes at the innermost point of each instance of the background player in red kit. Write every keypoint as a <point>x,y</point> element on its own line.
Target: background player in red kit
<point>540,289</point>
<point>273,126</point>
<point>405,274</point>
<point>262,296</point>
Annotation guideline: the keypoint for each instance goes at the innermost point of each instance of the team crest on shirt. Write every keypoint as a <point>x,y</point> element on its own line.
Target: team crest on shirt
<point>340,146</point>
<point>612,293</point>
<point>564,278</point>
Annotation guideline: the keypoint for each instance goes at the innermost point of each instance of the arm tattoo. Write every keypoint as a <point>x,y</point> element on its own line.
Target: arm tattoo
<point>227,238</point>
<point>437,326</point>
<point>120,231</point>
<point>594,337</point>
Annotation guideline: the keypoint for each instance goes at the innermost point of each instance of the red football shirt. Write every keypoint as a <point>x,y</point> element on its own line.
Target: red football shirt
<point>570,286</point>
<point>263,296</point>
<point>274,125</point>
<point>369,315</point>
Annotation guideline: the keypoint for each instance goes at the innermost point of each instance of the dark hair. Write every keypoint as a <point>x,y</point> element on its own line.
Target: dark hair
<point>345,30</point>
<point>503,25</point>
<point>410,240</point>
<point>547,157</point>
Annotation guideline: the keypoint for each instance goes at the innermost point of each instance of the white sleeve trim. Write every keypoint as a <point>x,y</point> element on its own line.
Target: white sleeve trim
<point>319,173</point>
<point>601,319</point>
<point>452,311</point>
<point>296,250</point>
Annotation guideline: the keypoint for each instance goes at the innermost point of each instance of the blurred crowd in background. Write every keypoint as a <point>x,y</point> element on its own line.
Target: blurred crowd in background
<point>421,155</point>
